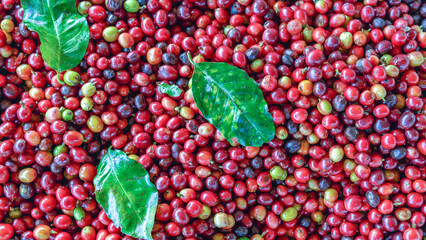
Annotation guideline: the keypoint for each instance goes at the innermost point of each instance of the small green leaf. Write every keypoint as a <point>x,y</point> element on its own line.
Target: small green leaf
<point>64,34</point>
<point>124,191</point>
<point>232,102</point>
<point>171,90</point>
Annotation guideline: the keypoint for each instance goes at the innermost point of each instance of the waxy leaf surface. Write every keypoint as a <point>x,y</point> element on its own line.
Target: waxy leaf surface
<point>171,90</point>
<point>63,32</point>
<point>124,191</point>
<point>233,103</point>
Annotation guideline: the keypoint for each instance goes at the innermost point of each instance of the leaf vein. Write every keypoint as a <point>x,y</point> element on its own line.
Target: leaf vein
<point>125,193</point>
<point>209,78</point>
<point>57,34</point>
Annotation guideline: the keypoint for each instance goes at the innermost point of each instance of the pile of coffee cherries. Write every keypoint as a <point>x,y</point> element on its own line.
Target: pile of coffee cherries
<point>344,80</point>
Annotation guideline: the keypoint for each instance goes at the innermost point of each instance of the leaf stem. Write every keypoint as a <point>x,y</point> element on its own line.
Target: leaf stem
<point>58,76</point>
<point>190,58</point>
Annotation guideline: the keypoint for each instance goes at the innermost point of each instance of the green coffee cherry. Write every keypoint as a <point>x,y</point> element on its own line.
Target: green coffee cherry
<point>385,59</point>
<point>79,213</point>
<point>59,149</point>
<point>354,178</point>
<point>15,213</point>
<point>379,91</point>
<point>336,153</point>
<point>88,89</point>
<point>72,78</point>
<point>86,104</point>
<point>205,213</point>
<point>110,34</point>
<point>331,195</point>
<point>307,34</point>
<point>220,220</point>
<point>83,7</point>
<point>289,214</point>
<point>7,25</point>
<point>324,107</point>
<point>67,115</point>
<point>346,40</point>
<point>392,71</point>
<point>277,172</point>
<point>131,6</point>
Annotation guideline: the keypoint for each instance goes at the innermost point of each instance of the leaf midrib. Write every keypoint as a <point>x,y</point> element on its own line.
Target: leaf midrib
<point>233,102</point>
<point>57,37</point>
<point>125,193</point>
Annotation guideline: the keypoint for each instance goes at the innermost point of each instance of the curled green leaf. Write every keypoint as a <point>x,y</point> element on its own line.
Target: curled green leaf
<point>171,90</point>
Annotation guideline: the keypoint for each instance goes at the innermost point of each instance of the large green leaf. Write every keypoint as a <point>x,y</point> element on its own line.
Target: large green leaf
<point>232,102</point>
<point>171,90</point>
<point>124,191</point>
<point>64,34</point>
